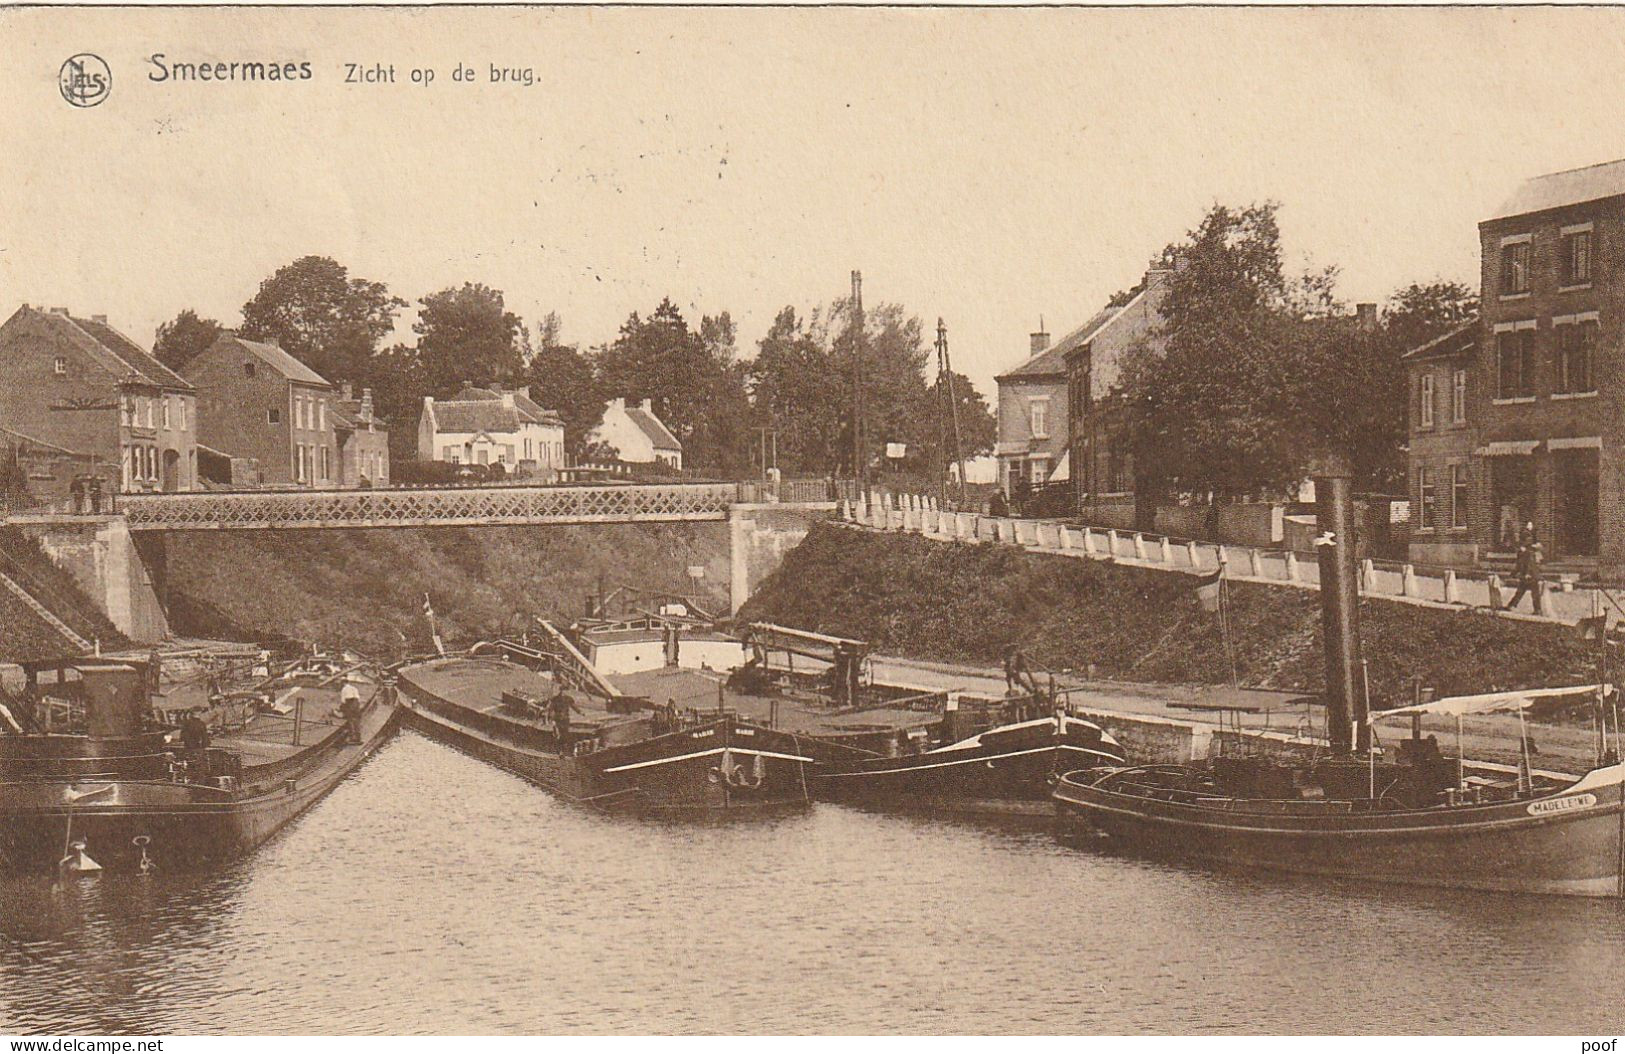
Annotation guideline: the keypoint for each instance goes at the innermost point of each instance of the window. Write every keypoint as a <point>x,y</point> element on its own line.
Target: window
<point>1574,343</point>
<point>528,448</point>
<point>321,415</point>
<point>273,416</point>
<point>327,463</point>
<point>1458,496</point>
<point>1038,417</point>
<point>1458,397</point>
<point>181,404</point>
<point>1576,259</point>
<point>1515,364</point>
<point>60,366</point>
<point>165,399</point>
<point>1515,268</point>
<point>1427,400</point>
<point>129,411</point>
<point>1428,505</point>
<point>452,454</point>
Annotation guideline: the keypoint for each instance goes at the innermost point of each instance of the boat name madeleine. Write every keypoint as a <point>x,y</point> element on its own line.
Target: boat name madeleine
<point>1556,805</point>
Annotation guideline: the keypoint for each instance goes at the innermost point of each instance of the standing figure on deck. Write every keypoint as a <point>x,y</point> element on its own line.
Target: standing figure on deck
<point>1530,556</point>
<point>194,732</point>
<point>560,708</point>
<point>350,710</point>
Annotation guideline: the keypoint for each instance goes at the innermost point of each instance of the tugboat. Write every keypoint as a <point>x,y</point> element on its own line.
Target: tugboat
<point>1416,818</point>
<point>546,714</point>
<point>91,778</point>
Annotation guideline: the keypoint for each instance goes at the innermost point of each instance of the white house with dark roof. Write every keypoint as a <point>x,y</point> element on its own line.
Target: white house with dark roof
<point>638,435</point>
<point>492,426</point>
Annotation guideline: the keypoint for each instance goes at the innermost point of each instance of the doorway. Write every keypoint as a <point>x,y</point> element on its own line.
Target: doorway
<point>1574,485</point>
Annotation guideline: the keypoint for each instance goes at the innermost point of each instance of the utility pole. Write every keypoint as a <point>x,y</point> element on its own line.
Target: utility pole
<point>945,381</point>
<point>860,468</point>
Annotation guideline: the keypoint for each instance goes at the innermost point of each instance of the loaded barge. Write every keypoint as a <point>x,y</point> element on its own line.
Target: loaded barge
<point>563,727</point>
<point>92,778</point>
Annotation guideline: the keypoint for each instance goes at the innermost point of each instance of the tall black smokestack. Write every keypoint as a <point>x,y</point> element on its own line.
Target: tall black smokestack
<point>1339,603</point>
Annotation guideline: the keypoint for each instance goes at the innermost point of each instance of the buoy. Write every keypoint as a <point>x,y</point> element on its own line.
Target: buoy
<point>78,861</point>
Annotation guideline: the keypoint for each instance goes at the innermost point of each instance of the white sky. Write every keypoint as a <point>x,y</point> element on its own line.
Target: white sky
<point>986,166</point>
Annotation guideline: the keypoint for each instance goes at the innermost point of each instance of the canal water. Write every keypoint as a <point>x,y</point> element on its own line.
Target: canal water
<point>433,894</point>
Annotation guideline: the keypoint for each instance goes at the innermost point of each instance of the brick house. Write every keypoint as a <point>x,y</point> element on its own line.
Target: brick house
<point>258,402</point>
<point>362,438</point>
<point>1545,381</point>
<point>1093,353</point>
<point>82,387</point>
<point>1440,377</point>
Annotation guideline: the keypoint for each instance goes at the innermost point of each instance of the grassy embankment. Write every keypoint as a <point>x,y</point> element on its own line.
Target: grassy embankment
<point>365,588</point>
<point>923,599</point>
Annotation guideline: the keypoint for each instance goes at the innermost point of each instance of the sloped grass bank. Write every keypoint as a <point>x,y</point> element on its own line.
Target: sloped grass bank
<point>924,599</point>
<point>365,587</point>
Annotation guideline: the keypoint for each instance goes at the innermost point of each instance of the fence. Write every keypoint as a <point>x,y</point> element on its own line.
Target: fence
<point>1564,600</point>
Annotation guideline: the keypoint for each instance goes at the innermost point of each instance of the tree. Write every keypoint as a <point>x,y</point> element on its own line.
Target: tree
<point>977,428</point>
<point>561,378</point>
<point>1418,313</point>
<point>326,319</point>
<point>1220,408</point>
<point>697,389</point>
<point>467,336</point>
<point>796,391</point>
<point>183,338</point>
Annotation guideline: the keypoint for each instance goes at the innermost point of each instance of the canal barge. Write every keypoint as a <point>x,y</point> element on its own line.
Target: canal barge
<point>91,777</point>
<point>895,747</point>
<point>618,751</point>
<point>1415,816</point>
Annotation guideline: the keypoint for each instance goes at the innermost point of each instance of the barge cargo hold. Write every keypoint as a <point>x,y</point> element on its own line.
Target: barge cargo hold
<point>622,754</point>
<point>121,796</point>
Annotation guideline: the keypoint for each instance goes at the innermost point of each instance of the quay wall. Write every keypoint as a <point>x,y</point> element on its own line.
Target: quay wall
<point>112,569</point>
<point>967,602</point>
<point>1149,740</point>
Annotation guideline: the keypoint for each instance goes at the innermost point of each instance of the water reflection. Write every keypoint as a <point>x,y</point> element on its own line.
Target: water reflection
<point>434,894</point>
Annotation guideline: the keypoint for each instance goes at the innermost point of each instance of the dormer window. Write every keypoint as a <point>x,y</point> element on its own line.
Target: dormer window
<point>248,369</point>
<point>60,366</point>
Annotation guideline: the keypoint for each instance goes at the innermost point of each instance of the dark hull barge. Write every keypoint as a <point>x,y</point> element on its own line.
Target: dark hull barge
<point>138,801</point>
<point>622,754</point>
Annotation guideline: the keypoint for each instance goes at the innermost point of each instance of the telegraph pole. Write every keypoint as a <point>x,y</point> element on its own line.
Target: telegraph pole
<point>945,381</point>
<point>860,468</point>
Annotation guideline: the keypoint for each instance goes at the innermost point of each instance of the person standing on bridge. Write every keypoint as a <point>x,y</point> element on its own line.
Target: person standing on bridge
<point>1530,556</point>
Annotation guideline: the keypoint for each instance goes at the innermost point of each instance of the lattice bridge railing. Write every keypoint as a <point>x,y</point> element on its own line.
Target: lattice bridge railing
<point>427,507</point>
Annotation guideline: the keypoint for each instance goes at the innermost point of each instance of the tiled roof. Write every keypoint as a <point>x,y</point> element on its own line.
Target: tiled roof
<point>1052,360</point>
<point>1451,343</point>
<point>110,349</point>
<point>132,354</point>
<point>483,415</point>
<point>651,426</point>
<point>279,360</point>
<point>1571,187</point>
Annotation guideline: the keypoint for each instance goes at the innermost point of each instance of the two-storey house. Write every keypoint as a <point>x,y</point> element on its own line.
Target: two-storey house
<point>1441,376</point>
<point>1032,418</point>
<point>363,440</point>
<point>83,387</point>
<point>258,402</point>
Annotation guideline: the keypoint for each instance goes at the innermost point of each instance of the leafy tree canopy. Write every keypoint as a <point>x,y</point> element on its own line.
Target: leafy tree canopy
<point>183,338</point>
<point>467,335</point>
<point>321,316</point>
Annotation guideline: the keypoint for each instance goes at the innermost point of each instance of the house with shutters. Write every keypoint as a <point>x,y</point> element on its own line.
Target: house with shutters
<point>81,387</point>
<point>493,426</point>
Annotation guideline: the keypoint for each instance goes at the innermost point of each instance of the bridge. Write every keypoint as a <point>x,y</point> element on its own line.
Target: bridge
<point>429,507</point>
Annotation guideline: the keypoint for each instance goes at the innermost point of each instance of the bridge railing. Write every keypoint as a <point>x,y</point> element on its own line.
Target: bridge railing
<point>427,506</point>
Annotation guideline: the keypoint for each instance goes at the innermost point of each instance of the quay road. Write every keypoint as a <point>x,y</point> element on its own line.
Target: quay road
<point>1493,739</point>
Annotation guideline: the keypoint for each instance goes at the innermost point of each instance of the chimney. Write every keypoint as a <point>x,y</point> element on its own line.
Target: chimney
<point>507,400</point>
<point>1038,341</point>
<point>99,318</point>
<point>648,406</point>
<point>1366,316</point>
<point>60,311</point>
<point>366,403</point>
<point>345,390</point>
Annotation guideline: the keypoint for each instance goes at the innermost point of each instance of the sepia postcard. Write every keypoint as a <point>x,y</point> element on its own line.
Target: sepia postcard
<point>791,521</point>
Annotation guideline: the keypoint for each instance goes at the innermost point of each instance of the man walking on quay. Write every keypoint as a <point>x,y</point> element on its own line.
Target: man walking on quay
<point>1530,554</point>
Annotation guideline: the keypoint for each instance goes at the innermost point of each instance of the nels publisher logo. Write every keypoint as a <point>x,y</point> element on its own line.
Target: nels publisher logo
<point>85,80</point>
